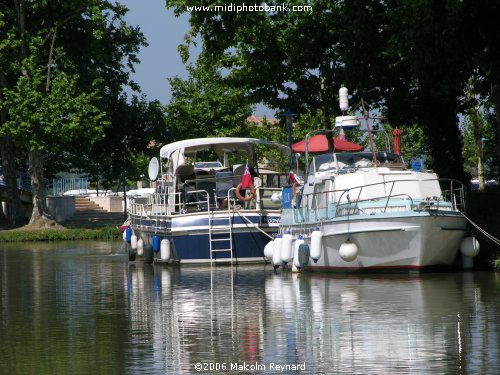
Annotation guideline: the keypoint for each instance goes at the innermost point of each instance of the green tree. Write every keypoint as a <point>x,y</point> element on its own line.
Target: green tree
<point>68,60</point>
<point>479,145</point>
<point>482,32</point>
<point>412,67</point>
<point>427,51</point>
<point>138,129</point>
<point>206,105</point>
<point>289,60</point>
<point>43,119</point>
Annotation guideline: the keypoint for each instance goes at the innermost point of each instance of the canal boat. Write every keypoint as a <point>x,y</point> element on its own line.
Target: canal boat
<point>202,211</point>
<point>367,210</point>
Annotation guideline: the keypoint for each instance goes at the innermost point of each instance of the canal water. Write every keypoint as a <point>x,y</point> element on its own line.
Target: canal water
<point>82,308</point>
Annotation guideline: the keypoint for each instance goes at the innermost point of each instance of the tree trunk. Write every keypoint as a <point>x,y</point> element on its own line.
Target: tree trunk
<point>21,28</point>
<point>37,188</point>
<point>3,218</point>
<point>495,95</point>
<point>7,155</point>
<point>474,115</point>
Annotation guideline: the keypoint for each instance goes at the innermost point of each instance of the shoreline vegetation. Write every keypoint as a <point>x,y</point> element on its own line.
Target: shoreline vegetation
<point>27,234</point>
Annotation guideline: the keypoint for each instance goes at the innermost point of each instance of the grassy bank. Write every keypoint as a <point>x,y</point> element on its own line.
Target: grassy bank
<point>60,234</point>
<point>496,264</point>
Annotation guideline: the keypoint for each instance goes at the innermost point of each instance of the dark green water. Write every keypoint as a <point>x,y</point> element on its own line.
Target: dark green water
<point>81,308</point>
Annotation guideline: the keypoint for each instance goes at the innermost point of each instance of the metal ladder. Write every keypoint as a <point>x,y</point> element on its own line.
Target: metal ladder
<point>221,234</point>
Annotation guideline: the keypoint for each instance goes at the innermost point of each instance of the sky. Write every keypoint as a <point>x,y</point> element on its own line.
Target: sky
<point>161,60</point>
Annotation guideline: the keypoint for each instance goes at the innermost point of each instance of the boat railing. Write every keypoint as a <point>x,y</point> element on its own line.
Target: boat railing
<point>380,197</point>
<point>159,204</point>
<point>163,204</point>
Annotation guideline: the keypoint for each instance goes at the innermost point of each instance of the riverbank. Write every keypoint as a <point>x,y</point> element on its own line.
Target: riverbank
<point>59,234</point>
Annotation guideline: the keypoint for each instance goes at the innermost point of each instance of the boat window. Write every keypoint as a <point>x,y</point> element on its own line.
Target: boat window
<point>364,159</point>
<point>207,164</point>
<point>322,163</point>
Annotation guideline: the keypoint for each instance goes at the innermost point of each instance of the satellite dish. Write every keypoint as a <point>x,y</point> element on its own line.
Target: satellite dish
<point>153,169</point>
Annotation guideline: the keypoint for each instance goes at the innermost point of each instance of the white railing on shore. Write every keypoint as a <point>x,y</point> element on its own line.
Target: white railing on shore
<point>77,186</point>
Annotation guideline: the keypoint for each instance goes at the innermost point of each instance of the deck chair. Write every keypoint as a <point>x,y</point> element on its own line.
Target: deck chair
<point>205,181</point>
<point>185,173</point>
<point>223,182</point>
<point>238,171</point>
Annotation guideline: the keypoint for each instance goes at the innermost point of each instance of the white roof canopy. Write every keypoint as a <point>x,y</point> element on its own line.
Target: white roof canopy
<point>218,144</point>
<point>175,152</point>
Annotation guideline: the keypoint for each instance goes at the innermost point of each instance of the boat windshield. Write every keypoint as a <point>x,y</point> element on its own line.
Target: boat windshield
<point>207,165</point>
<point>327,162</point>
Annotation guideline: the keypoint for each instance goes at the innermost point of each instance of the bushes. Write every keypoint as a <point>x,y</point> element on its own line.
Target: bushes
<point>18,235</point>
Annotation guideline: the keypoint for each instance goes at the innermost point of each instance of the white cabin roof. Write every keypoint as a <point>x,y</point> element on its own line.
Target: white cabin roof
<point>220,144</point>
<point>176,151</point>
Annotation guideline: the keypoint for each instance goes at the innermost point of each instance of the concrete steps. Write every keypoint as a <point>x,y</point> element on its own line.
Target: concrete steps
<point>90,215</point>
<point>84,204</point>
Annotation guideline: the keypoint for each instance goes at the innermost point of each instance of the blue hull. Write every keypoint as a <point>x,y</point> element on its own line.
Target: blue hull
<point>196,247</point>
<point>190,241</point>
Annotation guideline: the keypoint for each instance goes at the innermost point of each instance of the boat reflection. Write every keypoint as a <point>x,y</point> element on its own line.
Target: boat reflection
<point>354,323</point>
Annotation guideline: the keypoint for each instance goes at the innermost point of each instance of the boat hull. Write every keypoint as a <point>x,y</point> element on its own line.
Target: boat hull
<point>413,242</point>
<point>190,239</point>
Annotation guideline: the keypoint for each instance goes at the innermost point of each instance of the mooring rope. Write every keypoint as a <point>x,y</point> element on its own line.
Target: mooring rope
<point>481,230</point>
<point>249,221</point>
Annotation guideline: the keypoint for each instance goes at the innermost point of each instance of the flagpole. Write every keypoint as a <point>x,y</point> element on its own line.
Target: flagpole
<point>289,122</point>
<point>370,137</point>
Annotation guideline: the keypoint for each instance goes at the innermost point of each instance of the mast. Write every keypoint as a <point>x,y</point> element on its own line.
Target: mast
<point>370,137</point>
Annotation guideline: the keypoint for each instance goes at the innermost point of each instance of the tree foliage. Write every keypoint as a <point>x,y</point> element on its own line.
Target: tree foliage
<point>46,120</point>
<point>137,131</point>
<point>485,119</point>
<point>63,67</point>
<point>408,59</point>
<point>482,32</point>
<point>206,105</point>
<point>293,60</point>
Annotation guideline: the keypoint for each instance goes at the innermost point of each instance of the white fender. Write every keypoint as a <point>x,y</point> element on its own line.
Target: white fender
<point>469,246</point>
<point>268,250</point>
<point>316,244</point>
<point>133,242</point>
<point>140,246</point>
<point>287,248</point>
<point>348,251</point>
<point>165,249</point>
<point>277,251</point>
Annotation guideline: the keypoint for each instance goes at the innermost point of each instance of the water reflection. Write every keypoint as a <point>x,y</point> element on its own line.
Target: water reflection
<point>357,324</point>
<point>83,308</point>
<point>61,310</point>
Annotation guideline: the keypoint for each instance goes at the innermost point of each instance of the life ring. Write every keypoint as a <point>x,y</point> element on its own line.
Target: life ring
<point>248,197</point>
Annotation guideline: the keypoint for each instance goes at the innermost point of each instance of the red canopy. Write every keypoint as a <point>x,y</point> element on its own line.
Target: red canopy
<point>319,143</point>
